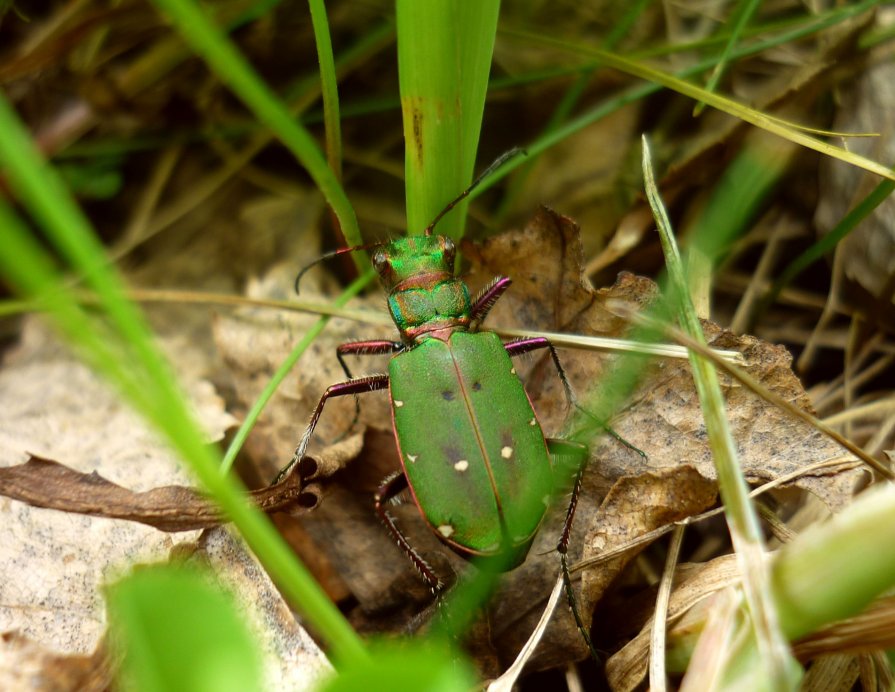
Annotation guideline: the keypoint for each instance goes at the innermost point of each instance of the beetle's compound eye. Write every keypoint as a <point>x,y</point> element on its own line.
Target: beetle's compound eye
<point>379,261</point>
<point>450,250</point>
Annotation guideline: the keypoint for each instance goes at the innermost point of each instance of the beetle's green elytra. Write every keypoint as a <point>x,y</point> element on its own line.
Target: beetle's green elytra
<point>478,469</point>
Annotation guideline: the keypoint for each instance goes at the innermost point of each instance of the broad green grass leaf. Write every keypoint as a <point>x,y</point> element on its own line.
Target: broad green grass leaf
<point>177,631</point>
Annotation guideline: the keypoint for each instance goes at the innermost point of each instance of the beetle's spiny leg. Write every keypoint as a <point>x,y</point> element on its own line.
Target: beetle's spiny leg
<point>388,489</point>
<point>363,348</point>
<point>573,605</point>
<point>609,430</point>
<point>487,297</point>
<point>372,347</point>
<point>562,548</point>
<point>361,384</point>
<point>528,344</point>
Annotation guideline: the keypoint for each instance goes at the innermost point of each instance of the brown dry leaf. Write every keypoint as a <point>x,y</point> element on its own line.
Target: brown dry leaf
<point>52,564</point>
<point>627,668</point>
<point>669,496</point>
<point>635,506</point>
<point>172,508</point>
<point>28,665</point>
<point>663,419</point>
<point>255,341</point>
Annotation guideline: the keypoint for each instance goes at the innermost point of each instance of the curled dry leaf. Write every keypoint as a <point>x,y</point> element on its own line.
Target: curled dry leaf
<point>694,585</point>
<point>55,563</point>
<point>635,506</point>
<point>172,508</point>
<point>52,564</point>
<point>662,416</point>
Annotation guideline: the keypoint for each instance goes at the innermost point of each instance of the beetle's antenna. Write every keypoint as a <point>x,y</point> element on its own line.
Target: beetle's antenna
<point>329,255</point>
<point>498,162</point>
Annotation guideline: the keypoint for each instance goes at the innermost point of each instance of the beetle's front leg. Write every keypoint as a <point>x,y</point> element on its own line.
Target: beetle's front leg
<point>485,300</point>
<point>389,489</point>
<point>372,347</point>
<point>358,386</point>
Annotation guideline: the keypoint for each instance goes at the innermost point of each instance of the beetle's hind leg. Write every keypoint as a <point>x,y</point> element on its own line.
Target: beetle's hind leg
<point>575,456</point>
<point>388,490</point>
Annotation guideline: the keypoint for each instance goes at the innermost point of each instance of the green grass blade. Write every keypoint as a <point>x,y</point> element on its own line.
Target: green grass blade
<point>567,104</point>
<point>118,343</point>
<point>329,86</point>
<point>738,110</point>
<point>643,90</point>
<point>781,670</point>
<point>175,630</point>
<point>444,59</point>
<point>232,68</point>
<point>739,193</point>
<point>418,665</point>
<point>830,572</point>
<point>747,9</point>
<point>846,225</point>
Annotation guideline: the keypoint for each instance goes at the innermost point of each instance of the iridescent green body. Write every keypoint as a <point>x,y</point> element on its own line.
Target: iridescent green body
<point>471,446</point>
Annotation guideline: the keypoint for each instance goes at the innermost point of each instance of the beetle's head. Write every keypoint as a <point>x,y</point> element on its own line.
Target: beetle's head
<point>424,295</point>
<point>415,260</point>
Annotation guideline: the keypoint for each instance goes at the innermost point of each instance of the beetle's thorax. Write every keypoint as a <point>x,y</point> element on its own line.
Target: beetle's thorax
<point>425,298</point>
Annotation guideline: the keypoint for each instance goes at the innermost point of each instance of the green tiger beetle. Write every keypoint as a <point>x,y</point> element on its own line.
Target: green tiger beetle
<point>472,451</point>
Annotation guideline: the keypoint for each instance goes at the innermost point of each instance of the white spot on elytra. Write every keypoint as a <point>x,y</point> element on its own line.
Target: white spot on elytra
<point>461,465</point>
<point>446,530</point>
<point>512,371</point>
<point>506,452</point>
<point>398,404</point>
<point>533,422</point>
<point>412,458</point>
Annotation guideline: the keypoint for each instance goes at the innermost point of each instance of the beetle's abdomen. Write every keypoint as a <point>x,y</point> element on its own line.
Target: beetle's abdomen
<point>472,449</point>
